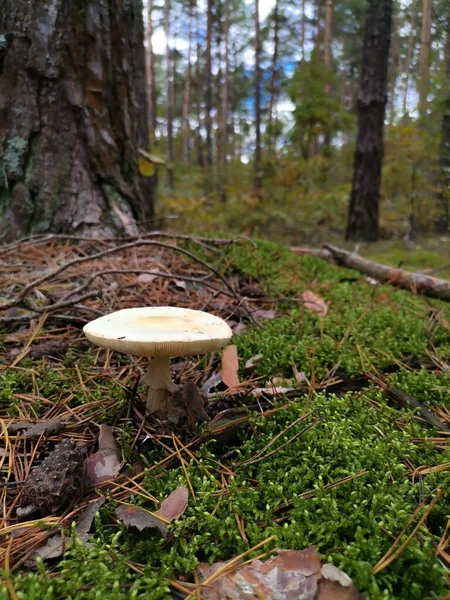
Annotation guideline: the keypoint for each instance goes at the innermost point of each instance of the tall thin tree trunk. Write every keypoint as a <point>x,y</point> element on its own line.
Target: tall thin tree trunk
<point>302,31</point>
<point>364,202</point>
<point>169,115</point>
<point>319,29</point>
<point>443,196</point>
<point>234,108</point>
<point>208,82</point>
<point>274,70</point>
<point>424,56</point>
<point>226,76</point>
<point>187,92</point>
<point>218,99</point>
<point>151,82</point>
<point>393,62</point>
<point>327,58</point>
<point>73,115</point>
<point>409,55</point>
<point>198,95</point>
<point>257,161</point>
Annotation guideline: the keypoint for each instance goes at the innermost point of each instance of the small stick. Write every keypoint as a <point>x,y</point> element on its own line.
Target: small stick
<point>406,400</point>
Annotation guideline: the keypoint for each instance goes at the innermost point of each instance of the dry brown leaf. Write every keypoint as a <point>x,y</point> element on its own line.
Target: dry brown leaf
<point>230,366</point>
<point>315,303</point>
<point>171,508</point>
<point>175,504</point>
<point>146,277</point>
<point>134,516</point>
<point>103,465</point>
<point>291,575</point>
<point>253,360</point>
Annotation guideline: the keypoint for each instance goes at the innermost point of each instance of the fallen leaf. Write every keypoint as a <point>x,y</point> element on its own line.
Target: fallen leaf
<point>106,439</point>
<point>230,366</point>
<point>180,284</point>
<point>134,516</point>
<point>56,544</point>
<point>212,382</point>
<point>253,360</point>
<point>45,427</point>
<point>103,465</point>
<point>171,508</point>
<point>271,391</point>
<point>146,277</point>
<point>260,314</point>
<point>315,303</point>
<point>291,575</point>
<point>175,504</point>
<point>300,377</point>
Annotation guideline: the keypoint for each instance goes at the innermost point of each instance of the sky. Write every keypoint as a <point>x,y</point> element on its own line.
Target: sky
<point>159,39</point>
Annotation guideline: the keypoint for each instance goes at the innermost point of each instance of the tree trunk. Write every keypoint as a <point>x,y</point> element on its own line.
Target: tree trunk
<point>208,82</point>
<point>302,30</point>
<point>393,62</point>
<point>151,81</point>
<point>424,56</point>
<point>187,92</point>
<point>226,76</point>
<point>409,55</point>
<point>257,181</point>
<point>73,114</point>
<point>327,58</point>
<point>443,195</point>
<point>319,30</point>
<point>363,213</point>
<point>198,95</point>
<point>169,105</point>
<point>274,70</point>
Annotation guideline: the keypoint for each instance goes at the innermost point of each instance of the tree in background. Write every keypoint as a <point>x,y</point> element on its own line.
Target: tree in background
<point>364,202</point>
<point>424,56</point>
<point>257,182</point>
<point>73,114</point>
<point>444,149</point>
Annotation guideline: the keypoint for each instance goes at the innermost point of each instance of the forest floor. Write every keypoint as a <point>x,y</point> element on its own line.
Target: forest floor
<point>331,460</point>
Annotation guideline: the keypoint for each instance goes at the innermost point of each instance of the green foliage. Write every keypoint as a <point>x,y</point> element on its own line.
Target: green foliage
<point>298,491</point>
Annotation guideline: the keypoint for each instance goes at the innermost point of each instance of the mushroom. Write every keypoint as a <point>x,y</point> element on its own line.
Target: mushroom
<point>160,333</point>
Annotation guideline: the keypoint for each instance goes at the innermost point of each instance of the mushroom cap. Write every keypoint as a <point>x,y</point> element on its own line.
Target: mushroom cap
<point>159,331</point>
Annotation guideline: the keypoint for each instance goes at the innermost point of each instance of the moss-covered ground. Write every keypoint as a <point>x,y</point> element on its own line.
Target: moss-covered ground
<point>360,441</point>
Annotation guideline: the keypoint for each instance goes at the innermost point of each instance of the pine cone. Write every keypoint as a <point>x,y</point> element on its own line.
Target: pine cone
<point>55,483</point>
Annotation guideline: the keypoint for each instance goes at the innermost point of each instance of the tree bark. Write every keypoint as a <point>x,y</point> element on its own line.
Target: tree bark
<point>151,81</point>
<point>443,196</point>
<point>393,63</point>
<point>409,55</point>
<point>198,95</point>
<point>208,82</point>
<point>274,70</point>
<point>187,92</point>
<point>73,114</point>
<point>327,58</point>
<point>424,55</point>
<point>362,221</point>
<point>169,91</point>
<point>302,31</point>
<point>226,77</point>
<point>257,181</point>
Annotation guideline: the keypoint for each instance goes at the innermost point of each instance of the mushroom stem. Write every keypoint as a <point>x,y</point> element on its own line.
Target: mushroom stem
<point>160,385</point>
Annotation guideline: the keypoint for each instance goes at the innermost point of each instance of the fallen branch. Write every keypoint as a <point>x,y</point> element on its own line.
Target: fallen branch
<point>408,401</point>
<point>415,282</point>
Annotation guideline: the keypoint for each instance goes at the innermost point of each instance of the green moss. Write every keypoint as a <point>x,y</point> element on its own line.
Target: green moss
<point>358,437</point>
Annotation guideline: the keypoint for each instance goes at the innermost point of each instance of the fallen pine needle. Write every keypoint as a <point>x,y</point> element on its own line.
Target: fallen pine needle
<point>392,554</point>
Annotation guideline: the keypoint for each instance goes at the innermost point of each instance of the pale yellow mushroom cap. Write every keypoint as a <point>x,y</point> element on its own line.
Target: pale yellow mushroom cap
<point>159,331</point>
